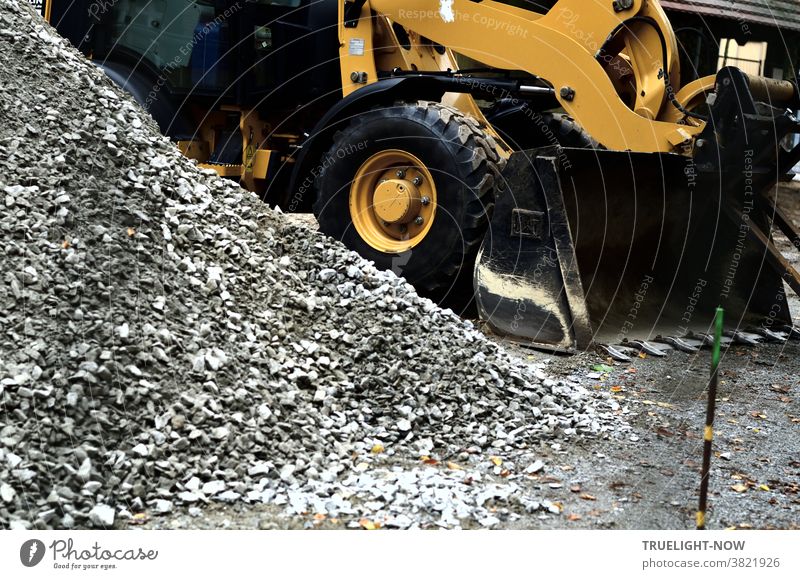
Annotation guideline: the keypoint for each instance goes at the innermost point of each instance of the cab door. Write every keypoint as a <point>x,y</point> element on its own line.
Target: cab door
<point>284,42</point>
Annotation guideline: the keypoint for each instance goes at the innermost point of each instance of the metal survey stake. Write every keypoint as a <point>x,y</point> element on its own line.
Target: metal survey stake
<point>708,432</point>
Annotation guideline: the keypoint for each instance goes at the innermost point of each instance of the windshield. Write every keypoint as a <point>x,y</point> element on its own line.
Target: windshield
<point>186,41</point>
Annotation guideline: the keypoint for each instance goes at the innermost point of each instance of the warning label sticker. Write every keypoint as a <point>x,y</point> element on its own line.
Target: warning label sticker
<point>356,47</point>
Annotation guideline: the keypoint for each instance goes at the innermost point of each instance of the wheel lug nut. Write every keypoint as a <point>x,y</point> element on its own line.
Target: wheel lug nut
<point>417,181</point>
<point>403,229</point>
<point>419,220</point>
<point>425,200</point>
<point>400,173</point>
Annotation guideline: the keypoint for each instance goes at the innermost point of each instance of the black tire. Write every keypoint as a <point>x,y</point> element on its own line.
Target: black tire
<point>465,167</point>
<point>523,128</point>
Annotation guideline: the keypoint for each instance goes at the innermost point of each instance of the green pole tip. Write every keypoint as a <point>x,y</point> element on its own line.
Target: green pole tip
<point>717,337</point>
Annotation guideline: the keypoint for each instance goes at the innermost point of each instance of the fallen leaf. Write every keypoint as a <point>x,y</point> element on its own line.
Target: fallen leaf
<point>505,473</point>
<point>131,232</point>
<point>139,519</point>
<point>588,497</point>
<point>602,368</point>
<point>496,460</point>
<point>65,244</point>
<point>428,460</point>
<point>369,525</point>
<point>573,517</point>
<point>616,388</point>
<point>739,488</point>
<point>575,488</point>
<point>763,487</point>
<point>642,355</point>
<point>791,489</point>
<point>377,448</point>
<point>320,516</point>
<point>454,466</point>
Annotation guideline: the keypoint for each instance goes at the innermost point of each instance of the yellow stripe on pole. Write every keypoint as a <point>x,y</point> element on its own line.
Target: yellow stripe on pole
<point>708,433</point>
<point>700,519</point>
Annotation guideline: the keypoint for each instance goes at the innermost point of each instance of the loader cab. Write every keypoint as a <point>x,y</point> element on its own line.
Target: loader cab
<point>177,55</point>
<point>290,51</point>
<point>187,45</point>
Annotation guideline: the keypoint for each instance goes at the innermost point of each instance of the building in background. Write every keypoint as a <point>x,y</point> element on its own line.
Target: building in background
<point>759,36</point>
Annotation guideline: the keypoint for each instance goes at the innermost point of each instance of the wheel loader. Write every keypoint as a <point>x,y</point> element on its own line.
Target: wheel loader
<point>544,156</point>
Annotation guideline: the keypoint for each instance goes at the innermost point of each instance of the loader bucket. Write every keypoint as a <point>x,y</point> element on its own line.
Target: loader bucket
<point>596,245</point>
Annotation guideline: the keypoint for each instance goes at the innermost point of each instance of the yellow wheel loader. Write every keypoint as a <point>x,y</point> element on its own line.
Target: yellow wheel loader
<point>544,154</point>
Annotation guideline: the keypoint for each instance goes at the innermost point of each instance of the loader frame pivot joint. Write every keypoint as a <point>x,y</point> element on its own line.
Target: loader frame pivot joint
<point>358,77</point>
<point>621,5</point>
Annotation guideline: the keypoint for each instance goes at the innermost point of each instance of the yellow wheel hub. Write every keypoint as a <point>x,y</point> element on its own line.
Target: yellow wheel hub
<point>393,201</point>
<point>396,201</point>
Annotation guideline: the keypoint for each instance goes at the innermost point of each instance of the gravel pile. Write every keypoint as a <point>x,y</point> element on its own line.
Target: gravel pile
<point>166,340</point>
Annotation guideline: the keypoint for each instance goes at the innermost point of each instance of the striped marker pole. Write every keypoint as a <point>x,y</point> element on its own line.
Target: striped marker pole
<point>708,432</point>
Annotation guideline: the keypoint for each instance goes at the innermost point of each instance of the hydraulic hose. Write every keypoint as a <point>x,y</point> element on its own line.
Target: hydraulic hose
<point>665,65</point>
